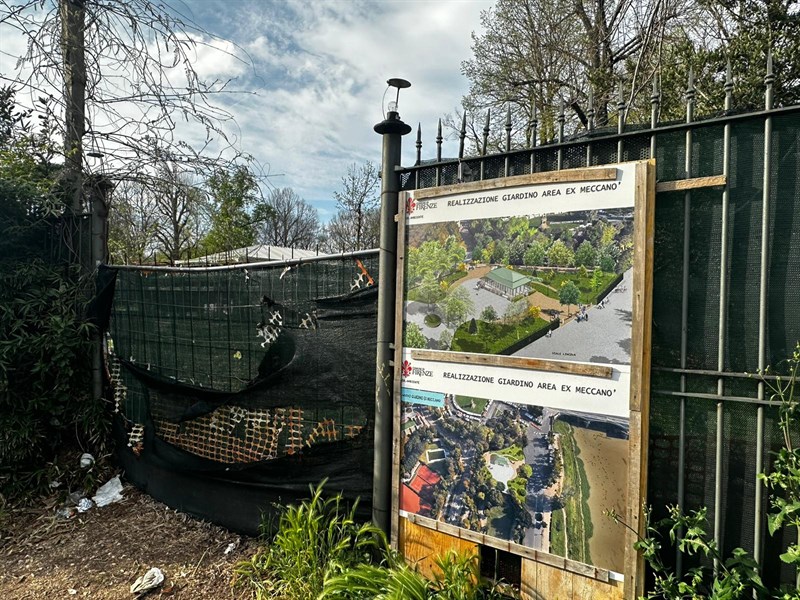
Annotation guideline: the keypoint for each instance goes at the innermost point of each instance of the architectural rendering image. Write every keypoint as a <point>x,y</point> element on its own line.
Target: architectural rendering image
<point>553,286</point>
<point>532,475</point>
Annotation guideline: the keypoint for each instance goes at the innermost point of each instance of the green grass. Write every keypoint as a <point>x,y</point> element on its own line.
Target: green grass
<point>472,404</point>
<point>575,494</point>
<point>513,452</point>
<point>453,277</point>
<point>588,294</point>
<point>318,538</point>
<point>493,338</point>
<point>557,537</point>
<point>500,520</point>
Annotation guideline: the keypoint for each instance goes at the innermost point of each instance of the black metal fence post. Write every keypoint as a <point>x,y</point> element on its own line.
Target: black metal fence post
<point>392,129</point>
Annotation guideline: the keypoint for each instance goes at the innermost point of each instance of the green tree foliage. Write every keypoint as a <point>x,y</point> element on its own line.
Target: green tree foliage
<point>413,337</point>
<point>533,53</point>
<point>569,294</point>
<point>742,33</point>
<point>560,255</point>
<point>456,307</point>
<point>445,340</point>
<point>44,337</point>
<point>429,291</point>
<point>516,251</point>
<point>607,260</point>
<point>585,255</point>
<point>516,311</point>
<point>489,314</point>
<point>435,259</point>
<point>233,197</point>
<point>536,254</point>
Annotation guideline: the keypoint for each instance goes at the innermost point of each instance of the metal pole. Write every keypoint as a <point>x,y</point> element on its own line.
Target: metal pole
<point>769,79</point>
<point>723,313</point>
<point>687,206</point>
<point>392,129</point>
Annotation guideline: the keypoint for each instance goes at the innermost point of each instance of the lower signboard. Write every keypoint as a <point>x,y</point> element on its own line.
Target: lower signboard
<point>531,457</point>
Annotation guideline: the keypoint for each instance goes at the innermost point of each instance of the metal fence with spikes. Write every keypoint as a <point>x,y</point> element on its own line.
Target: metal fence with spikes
<point>726,300</point>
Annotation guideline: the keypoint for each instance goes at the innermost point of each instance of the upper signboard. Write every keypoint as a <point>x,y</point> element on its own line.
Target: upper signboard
<point>516,356</point>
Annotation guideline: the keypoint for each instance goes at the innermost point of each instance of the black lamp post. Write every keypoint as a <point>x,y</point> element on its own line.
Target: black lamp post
<point>391,129</point>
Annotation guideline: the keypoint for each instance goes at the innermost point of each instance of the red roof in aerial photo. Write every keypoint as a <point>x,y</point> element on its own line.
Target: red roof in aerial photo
<point>423,478</point>
<point>409,500</point>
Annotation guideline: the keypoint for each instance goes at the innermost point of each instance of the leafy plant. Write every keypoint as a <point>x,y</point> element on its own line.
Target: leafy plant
<point>315,540</point>
<point>784,479</point>
<point>44,372</point>
<point>735,576</point>
<point>457,577</point>
<point>45,405</point>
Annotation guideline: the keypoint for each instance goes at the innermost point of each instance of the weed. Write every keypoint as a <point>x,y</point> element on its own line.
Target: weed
<point>314,541</point>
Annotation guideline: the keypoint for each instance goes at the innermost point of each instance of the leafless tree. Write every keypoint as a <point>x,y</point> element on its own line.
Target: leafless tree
<point>132,224</point>
<point>339,235</point>
<point>291,222</point>
<point>534,55</point>
<point>357,202</point>
<point>121,72</point>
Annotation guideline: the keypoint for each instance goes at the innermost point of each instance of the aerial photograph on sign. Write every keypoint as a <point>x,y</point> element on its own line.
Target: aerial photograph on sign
<point>532,475</point>
<point>550,286</point>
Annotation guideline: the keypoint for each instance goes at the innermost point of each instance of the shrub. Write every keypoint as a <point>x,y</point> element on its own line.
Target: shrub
<point>315,540</point>
<point>735,576</point>
<point>457,577</point>
<point>44,373</point>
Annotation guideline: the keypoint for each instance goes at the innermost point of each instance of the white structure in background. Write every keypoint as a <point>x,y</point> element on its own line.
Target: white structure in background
<point>250,254</point>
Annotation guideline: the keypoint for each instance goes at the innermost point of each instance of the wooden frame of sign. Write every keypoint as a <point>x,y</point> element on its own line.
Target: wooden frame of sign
<point>544,575</point>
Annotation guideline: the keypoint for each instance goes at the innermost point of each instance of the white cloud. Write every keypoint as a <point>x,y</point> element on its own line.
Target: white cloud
<point>318,75</point>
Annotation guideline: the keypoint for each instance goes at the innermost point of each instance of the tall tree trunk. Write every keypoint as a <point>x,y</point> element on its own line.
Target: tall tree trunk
<point>73,14</point>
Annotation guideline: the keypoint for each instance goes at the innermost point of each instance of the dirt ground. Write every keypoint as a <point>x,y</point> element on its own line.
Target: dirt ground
<point>606,462</point>
<point>100,553</point>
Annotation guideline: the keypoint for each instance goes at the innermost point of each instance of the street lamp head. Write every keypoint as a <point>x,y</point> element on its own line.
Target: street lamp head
<point>392,122</point>
<point>400,84</point>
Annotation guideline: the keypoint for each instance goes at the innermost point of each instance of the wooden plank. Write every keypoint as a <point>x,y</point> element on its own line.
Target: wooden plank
<point>679,185</point>
<point>540,581</point>
<point>556,562</point>
<point>644,224</point>
<point>400,218</point>
<point>420,546</point>
<point>591,589</point>
<point>528,585</point>
<point>563,176</point>
<point>515,362</point>
<point>553,584</point>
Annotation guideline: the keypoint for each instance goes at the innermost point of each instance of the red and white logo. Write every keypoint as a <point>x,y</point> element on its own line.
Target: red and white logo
<point>406,368</point>
<point>411,204</point>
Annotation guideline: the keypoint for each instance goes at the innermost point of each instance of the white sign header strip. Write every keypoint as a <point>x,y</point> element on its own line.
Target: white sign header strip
<point>522,386</point>
<point>525,200</point>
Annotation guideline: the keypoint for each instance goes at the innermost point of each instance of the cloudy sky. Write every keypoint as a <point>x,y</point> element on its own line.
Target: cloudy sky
<point>316,72</point>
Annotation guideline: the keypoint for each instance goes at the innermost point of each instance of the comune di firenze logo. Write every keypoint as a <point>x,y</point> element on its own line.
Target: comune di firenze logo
<point>406,368</point>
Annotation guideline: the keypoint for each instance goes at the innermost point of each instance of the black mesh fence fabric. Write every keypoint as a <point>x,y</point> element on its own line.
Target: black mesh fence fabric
<point>245,381</point>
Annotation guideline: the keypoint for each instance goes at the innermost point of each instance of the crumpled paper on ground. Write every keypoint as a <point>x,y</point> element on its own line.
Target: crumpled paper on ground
<point>150,580</point>
<point>109,492</point>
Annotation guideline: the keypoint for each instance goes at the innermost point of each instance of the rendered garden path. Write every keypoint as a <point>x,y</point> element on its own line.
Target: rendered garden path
<point>603,338</point>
